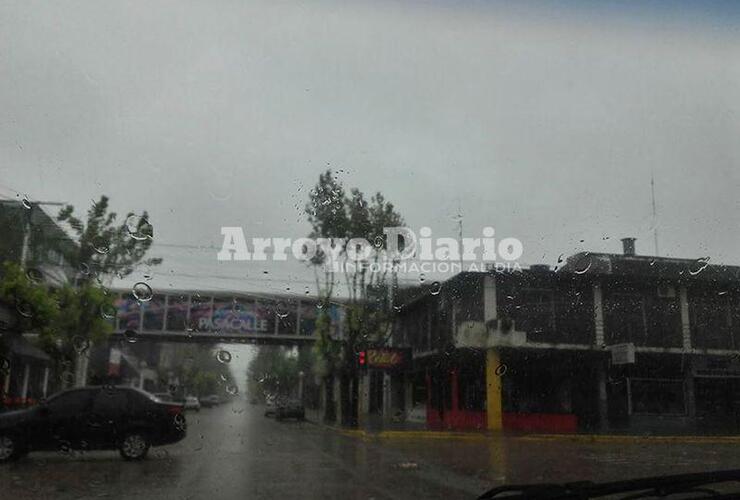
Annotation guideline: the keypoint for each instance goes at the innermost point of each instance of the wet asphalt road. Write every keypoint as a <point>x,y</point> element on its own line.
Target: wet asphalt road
<point>233,451</point>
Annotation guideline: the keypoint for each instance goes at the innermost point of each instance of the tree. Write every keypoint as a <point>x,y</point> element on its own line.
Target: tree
<point>368,319</point>
<point>37,308</point>
<point>67,319</point>
<point>273,371</point>
<point>106,248</point>
<point>200,372</point>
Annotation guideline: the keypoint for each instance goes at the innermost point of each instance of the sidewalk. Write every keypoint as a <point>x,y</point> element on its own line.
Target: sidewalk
<point>376,428</point>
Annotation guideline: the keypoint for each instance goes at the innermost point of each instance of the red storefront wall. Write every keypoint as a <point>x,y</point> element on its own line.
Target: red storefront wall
<point>456,418</point>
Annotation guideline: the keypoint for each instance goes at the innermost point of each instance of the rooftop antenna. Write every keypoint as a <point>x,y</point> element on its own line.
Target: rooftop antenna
<point>460,232</point>
<point>655,213</point>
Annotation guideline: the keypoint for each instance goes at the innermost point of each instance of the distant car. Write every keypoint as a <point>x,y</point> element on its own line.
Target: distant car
<point>210,401</point>
<point>92,418</point>
<point>290,408</point>
<point>192,403</point>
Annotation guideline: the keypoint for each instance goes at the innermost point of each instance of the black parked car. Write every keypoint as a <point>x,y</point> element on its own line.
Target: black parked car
<point>92,418</point>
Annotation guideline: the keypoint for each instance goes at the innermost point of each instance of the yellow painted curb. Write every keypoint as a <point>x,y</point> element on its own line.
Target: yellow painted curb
<point>609,438</point>
<point>415,435</point>
<point>584,438</point>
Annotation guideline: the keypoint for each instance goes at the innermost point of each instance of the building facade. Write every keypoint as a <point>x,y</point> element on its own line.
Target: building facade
<point>607,342</point>
<point>34,240</point>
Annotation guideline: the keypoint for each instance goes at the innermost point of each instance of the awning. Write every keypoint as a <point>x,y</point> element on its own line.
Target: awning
<point>19,346</point>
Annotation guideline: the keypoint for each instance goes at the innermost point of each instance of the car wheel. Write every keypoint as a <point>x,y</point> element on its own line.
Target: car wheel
<point>10,448</point>
<point>134,446</point>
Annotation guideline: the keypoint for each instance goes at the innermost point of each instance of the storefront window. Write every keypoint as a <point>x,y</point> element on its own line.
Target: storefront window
<point>535,313</point>
<point>471,386</point>
<point>624,318</point>
<point>657,397</point>
<point>710,317</point>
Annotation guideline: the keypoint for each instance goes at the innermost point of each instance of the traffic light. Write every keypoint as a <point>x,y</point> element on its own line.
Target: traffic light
<point>361,358</point>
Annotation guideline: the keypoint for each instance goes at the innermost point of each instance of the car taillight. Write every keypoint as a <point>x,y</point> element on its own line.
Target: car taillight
<point>174,410</point>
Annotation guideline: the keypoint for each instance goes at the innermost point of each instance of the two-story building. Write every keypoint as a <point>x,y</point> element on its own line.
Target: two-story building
<point>33,239</point>
<point>605,342</point>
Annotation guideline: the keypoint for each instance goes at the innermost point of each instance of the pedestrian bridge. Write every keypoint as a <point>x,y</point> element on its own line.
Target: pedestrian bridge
<point>202,316</point>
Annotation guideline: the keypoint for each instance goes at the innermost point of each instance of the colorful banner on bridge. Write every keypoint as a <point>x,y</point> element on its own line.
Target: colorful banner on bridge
<point>224,314</point>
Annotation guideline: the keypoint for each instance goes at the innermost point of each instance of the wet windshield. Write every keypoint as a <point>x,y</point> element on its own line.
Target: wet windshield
<point>366,249</point>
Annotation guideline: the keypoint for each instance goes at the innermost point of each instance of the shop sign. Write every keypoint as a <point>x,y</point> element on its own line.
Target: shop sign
<point>623,354</point>
<point>387,358</point>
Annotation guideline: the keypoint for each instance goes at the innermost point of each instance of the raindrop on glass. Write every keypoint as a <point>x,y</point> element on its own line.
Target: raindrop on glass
<point>584,269</point>
<point>64,447</point>
<point>100,245</point>
<point>142,292</point>
<point>34,275</point>
<point>281,310</point>
<point>24,309</point>
<point>232,390</point>
<point>80,343</point>
<point>26,203</point>
<point>130,336</point>
<point>435,288</point>
<point>223,356</point>
<point>699,265</point>
<point>180,422</point>
<point>139,228</point>
<point>108,311</point>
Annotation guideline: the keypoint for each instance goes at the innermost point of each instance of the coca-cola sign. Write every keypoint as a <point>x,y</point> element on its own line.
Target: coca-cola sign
<point>387,358</point>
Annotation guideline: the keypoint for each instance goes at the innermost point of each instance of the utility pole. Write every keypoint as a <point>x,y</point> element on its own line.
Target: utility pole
<point>460,232</point>
<point>655,214</point>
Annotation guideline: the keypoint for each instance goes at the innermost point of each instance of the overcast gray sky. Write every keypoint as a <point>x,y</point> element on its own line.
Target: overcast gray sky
<point>542,121</point>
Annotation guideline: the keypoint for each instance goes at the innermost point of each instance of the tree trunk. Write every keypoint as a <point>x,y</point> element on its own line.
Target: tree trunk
<point>348,392</point>
<point>330,415</point>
